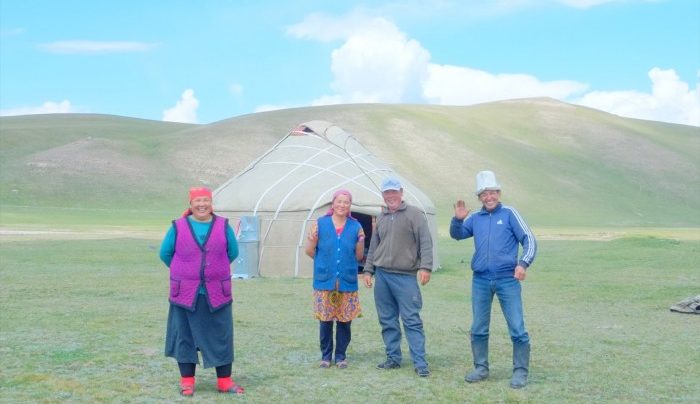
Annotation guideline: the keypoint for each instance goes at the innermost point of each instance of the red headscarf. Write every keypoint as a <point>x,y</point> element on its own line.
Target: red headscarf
<point>196,192</point>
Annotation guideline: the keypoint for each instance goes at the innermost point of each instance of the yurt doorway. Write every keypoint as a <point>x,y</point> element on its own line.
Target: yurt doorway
<point>367,222</point>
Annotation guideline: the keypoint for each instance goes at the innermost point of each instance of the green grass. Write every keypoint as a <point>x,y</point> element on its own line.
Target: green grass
<point>76,218</point>
<point>84,321</point>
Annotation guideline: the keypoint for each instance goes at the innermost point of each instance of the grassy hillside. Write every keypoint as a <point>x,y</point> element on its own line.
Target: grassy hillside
<point>83,163</point>
<point>561,165</point>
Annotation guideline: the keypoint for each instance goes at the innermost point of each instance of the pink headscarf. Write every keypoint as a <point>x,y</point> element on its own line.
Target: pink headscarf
<point>335,195</point>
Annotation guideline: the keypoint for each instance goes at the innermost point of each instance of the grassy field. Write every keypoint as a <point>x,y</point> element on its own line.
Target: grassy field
<point>84,321</point>
<point>85,199</point>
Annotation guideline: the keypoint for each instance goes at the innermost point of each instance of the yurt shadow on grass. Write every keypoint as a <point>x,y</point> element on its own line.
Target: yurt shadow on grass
<point>283,191</point>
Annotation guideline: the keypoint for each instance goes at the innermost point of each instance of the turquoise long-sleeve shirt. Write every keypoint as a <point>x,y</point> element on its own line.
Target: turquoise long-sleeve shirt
<point>167,247</point>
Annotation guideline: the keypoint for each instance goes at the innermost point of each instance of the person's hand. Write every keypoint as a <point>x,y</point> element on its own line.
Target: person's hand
<point>368,279</point>
<point>361,237</point>
<point>520,273</point>
<point>313,234</point>
<point>461,210</point>
<point>423,276</point>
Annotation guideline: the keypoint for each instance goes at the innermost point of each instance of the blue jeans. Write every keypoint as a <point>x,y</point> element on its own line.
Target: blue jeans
<point>343,335</point>
<point>508,292</point>
<point>398,295</point>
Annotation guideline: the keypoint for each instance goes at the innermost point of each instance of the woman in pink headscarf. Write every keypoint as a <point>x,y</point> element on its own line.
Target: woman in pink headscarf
<point>336,243</point>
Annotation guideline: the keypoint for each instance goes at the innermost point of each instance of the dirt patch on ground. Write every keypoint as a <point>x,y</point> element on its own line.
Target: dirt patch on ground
<point>8,234</point>
<point>91,156</point>
<point>685,234</point>
<point>596,236</point>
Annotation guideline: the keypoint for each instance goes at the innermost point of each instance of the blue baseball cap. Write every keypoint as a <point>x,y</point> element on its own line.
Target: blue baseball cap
<point>391,184</point>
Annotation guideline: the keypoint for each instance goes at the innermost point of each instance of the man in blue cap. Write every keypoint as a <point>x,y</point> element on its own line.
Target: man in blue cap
<point>498,232</point>
<point>400,254</point>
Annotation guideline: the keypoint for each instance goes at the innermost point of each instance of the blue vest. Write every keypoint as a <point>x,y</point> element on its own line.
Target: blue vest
<point>335,256</point>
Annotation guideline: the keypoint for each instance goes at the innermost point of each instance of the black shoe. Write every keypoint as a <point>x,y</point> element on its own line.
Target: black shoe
<point>388,364</point>
<point>422,371</point>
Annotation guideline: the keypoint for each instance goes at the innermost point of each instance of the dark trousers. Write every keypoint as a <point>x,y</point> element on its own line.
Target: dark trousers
<point>189,369</point>
<point>343,335</point>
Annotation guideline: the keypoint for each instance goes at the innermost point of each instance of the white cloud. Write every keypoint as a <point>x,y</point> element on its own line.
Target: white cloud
<point>7,32</point>
<point>375,63</point>
<point>381,65</point>
<point>378,63</point>
<point>323,27</point>
<point>585,3</point>
<point>326,28</point>
<point>467,10</point>
<point>49,107</point>
<point>271,107</point>
<point>508,5</point>
<point>454,85</point>
<point>185,110</point>
<point>235,89</point>
<point>671,100</point>
<point>81,46</point>
<point>327,100</point>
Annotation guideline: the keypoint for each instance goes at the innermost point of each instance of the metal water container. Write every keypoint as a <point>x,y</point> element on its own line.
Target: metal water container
<point>246,265</point>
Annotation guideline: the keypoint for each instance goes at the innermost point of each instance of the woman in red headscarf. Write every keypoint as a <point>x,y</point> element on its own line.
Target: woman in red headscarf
<point>199,248</point>
<point>336,243</point>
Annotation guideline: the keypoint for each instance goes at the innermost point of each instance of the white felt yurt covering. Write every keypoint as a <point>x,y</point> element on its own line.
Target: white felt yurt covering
<point>291,184</point>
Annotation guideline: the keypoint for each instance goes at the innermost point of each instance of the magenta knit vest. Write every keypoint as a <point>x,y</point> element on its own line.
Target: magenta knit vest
<point>193,264</point>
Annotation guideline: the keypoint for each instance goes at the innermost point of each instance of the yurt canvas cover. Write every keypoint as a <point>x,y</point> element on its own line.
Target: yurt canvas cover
<point>291,184</point>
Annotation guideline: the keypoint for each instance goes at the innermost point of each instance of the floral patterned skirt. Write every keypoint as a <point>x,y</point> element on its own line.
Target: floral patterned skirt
<point>332,305</point>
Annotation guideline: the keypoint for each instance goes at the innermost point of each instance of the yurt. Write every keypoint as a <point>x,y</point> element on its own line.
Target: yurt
<point>278,196</point>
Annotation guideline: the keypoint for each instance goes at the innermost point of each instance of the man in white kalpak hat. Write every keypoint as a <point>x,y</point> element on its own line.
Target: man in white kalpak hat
<point>498,232</point>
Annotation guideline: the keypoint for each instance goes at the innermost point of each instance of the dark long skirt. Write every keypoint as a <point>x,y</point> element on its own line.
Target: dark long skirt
<point>201,330</point>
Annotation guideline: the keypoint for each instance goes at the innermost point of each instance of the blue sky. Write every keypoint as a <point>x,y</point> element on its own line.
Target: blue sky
<point>204,61</point>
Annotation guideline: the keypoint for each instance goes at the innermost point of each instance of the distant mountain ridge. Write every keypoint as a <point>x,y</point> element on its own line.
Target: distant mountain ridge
<point>559,164</point>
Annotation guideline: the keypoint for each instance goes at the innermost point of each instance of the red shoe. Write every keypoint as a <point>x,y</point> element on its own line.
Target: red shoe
<point>187,386</point>
<point>227,385</point>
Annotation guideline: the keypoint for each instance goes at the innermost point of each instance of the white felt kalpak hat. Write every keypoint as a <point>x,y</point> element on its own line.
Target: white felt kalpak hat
<point>486,181</point>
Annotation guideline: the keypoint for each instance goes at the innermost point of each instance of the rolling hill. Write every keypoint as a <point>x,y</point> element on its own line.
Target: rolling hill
<point>560,164</point>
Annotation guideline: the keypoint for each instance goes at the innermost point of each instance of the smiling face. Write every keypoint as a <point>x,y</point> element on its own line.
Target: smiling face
<point>341,205</point>
<point>490,199</point>
<point>393,199</point>
<point>201,208</point>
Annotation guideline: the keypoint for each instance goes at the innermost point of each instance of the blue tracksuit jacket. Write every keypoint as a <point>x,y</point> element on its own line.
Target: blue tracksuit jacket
<point>497,236</point>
